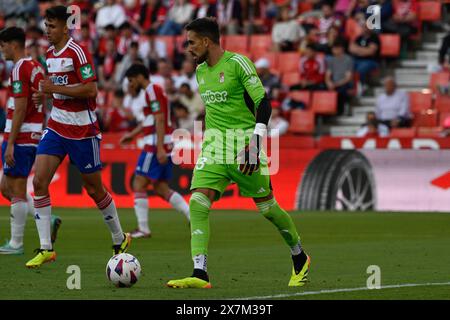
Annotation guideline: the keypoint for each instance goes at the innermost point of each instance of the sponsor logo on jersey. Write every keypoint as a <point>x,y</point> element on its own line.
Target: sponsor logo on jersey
<point>36,136</point>
<point>60,80</point>
<point>214,96</point>
<point>86,71</point>
<point>222,77</point>
<point>17,87</point>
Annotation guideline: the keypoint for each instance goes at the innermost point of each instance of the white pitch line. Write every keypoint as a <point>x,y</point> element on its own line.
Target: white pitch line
<point>307,293</point>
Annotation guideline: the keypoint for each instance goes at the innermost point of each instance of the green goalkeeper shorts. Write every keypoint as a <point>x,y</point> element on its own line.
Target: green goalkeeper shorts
<point>210,175</point>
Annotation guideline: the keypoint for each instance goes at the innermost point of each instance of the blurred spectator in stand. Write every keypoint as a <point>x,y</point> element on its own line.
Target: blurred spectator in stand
<point>170,90</point>
<point>184,118</point>
<point>372,127</point>
<point>152,16</point>
<point>332,36</point>
<point>126,37</point>
<point>404,20</point>
<point>164,71</point>
<point>312,71</point>
<point>252,13</point>
<point>270,81</point>
<point>36,35</point>
<point>312,37</point>
<point>85,38</point>
<point>151,50</point>
<point>386,12</point>
<point>360,9</point>
<point>344,8</point>
<point>444,54</point>
<point>365,50</point>
<point>135,102</point>
<point>111,13</point>
<point>191,99</point>
<point>178,16</point>
<point>286,32</point>
<point>392,107</point>
<point>277,125</point>
<point>339,75</point>
<point>326,21</point>
<point>205,9</point>
<point>446,128</point>
<point>229,16</point>
<point>127,61</point>
<point>34,51</point>
<point>107,67</point>
<point>187,74</point>
<point>109,33</point>
<point>117,117</point>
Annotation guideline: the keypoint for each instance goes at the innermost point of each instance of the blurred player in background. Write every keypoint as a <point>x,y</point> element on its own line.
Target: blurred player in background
<point>155,163</point>
<point>71,130</point>
<point>235,99</point>
<point>22,133</point>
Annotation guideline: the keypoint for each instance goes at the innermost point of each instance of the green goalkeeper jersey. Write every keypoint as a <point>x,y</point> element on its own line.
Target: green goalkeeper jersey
<point>231,91</point>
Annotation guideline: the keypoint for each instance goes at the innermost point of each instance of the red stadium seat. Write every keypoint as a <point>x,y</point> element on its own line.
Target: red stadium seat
<point>260,42</point>
<point>236,43</point>
<point>420,101</point>
<point>290,78</point>
<point>301,96</point>
<point>270,56</point>
<point>442,117</point>
<point>288,62</point>
<point>390,45</point>
<point>3,98</point>
<point>442,103</point>
<point>170,44</point>
<point>439,78</point>
<point>429,10</point>
<point>426,118</point>
<point>301,121</point>
<point>324,102</point>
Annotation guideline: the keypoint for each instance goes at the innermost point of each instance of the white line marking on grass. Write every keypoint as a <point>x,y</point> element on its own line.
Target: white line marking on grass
<point>307,293</point>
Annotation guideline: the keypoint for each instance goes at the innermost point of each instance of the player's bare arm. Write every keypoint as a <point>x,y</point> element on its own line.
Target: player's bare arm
<point>129,136</point>
<point>20,110</point>
<point>161,154</point>
<point>82,91</point>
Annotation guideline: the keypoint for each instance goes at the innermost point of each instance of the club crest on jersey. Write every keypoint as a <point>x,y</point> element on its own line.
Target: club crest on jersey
<point>17,87</point>
<point>86,72</point>
<point>222,77</point>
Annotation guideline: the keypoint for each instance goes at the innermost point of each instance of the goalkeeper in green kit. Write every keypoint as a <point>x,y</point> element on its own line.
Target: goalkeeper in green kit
<point>237,113</point>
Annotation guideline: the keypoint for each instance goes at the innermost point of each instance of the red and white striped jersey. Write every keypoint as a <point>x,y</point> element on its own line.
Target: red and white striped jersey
<point>156,102</point>
<point>25,75</point>
<point>70,117</point>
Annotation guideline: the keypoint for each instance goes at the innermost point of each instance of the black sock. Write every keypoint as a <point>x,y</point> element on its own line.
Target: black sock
<point>201,274</point>
<point>299,261</point>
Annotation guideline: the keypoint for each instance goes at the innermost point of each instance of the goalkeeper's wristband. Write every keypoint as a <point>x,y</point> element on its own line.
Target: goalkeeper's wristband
<point>260,129</point>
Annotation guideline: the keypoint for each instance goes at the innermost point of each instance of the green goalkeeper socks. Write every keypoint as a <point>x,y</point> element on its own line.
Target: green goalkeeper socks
<point>281,219</point>
<point>199,205</point>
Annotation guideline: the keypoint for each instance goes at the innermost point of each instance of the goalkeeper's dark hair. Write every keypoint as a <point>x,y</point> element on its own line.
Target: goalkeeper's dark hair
<point>205,27</point>
<point>57,12</point>
<point>137,69</point>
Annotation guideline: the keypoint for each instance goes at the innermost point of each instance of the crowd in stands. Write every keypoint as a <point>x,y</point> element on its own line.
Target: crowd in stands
<point>329,42</point>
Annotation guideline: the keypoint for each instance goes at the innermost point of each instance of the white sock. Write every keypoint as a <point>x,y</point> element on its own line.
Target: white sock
<point>19,209</point>
<point>200,262</point>
<point>42,216</point>
<point>30,205</point>
<point>179,204</point>
<point>109,211</point>
<point>141,210</point>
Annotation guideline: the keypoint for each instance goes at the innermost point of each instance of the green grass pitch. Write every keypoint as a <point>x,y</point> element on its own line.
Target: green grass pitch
<point>247,256</point>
